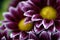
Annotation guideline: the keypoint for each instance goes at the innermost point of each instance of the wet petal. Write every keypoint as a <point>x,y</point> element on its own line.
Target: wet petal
<point>47,23</point>
<point>29,13</point>
<point>57,25</point>
<point>45,36</point>
<point>36,17</point>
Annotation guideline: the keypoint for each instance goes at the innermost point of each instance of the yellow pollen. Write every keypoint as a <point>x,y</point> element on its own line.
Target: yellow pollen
<point>25,26</point>
<point>48,13</point>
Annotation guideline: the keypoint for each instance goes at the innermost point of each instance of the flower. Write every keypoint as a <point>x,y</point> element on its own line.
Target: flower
<point>15,21</point>
<point>44,14</point>
<point>30,20</point>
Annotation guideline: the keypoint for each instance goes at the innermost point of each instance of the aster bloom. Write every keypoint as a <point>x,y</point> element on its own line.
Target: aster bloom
<point>44,13</point>
<point>15,21</point>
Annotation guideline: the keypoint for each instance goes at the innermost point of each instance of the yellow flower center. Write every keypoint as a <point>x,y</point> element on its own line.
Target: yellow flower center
<point>48,13</point>
<point>24,26</point>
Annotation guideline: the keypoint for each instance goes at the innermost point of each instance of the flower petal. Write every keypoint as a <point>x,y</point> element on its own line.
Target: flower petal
<point>27,5</point>
<point>15,2</point>
<point>13,26</point>
<point>56,36</point>
<point>58,3</point>
<point>47,23</point>
<point>40,3</point>
<point>32,36</point>
<point>51,28</point>
<point>1,35</point>
<point>58,16</point>
<point>8,16</point>
<point>38,30</point>
<point>14,34</point>
<point>16,37</point>
<point>14,12</point>
<point>24,6</point>
<point>20,12</point>
<point>45,36</point>
<point>2,27</point>
<point>52,3</point>
<point>58,6</point>
<point>57,25</point>
<point>36,17</point>
<point>6,34</point>
<point>35,1</point>
<point>29,13</point>
<point>28,20</point>
<point>23,35</point>
<point>38,24</point>
<point>58,13</point>
<point>34,7</point>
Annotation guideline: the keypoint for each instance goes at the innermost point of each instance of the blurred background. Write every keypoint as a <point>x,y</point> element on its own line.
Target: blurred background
<point>4,4</point>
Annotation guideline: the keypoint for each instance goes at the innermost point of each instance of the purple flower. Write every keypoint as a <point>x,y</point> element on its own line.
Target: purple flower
<point>34,20</point>
<point>44,13</point>
<point>15,21</point>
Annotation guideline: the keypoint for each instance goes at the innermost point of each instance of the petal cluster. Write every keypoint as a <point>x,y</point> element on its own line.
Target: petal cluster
<point>32,8</point>
<point>43,29</point>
